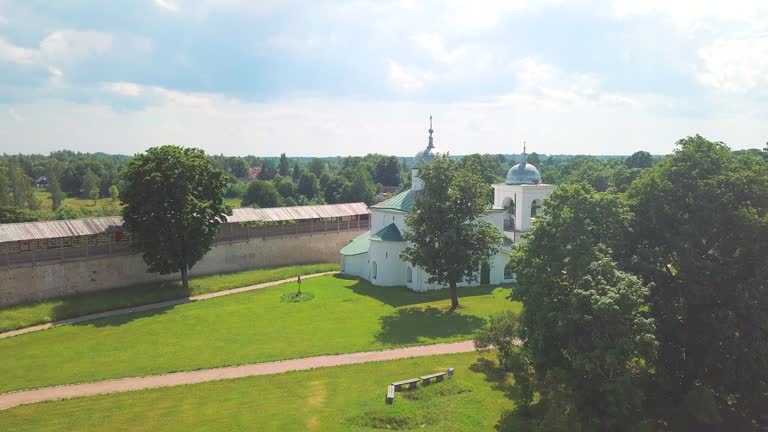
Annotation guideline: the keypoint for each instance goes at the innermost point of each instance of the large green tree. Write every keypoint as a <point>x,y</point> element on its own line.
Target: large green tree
<point>387,171</point>
<point>447,236</point>
<point>262,193</point>
<point>584,325</point>
<point>174,203</point>
<point>701,236</point>
<point>308,186</point>
<point>284,167</point>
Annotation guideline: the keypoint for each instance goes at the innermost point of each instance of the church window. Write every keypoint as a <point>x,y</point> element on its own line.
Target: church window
<point>373,270</point>
<point>409,275</point>
<point>534,208</point>
<point>508,273</point>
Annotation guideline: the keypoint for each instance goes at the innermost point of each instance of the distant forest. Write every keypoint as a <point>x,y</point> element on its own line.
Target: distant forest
<point>69,185</point>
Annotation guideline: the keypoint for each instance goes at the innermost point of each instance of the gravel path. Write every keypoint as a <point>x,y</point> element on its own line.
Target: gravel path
<point>9,400</point>
<point>154,306</point>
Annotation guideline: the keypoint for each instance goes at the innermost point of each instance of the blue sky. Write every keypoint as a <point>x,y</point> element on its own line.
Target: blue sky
<point>327,77</point>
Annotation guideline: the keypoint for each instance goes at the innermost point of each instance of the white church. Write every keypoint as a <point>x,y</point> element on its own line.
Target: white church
<point>375,255</point>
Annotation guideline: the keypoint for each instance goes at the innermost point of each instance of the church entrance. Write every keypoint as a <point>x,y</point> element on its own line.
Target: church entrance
<point>485,274</point>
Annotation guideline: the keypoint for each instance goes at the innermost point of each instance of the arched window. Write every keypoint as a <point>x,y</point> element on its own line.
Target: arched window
<point>409,275</point>
<point>534,208</point>
<point>374,270</point>
<point>508,273</point>
<point>509,214</point>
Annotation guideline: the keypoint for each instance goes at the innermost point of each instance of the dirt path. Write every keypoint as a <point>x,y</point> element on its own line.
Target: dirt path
<point>9,400</point>
<point>154,306</point>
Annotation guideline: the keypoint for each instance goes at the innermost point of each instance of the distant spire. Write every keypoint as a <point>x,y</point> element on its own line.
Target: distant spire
<point>430,146</point>
<point>524,158</point>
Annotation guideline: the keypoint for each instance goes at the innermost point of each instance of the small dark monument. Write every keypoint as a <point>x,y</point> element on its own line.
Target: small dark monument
<point>450,372</point>
<point>298,281</point>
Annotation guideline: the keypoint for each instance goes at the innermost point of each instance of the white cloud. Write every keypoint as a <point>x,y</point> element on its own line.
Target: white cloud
<point>736,65</point>
<point>124,88</point>
<point>161,95</point>
<point>696,15</point>
<point>73,45</point>
<point>433,43</point>
<point>167,5</point>
<point>15,115</point>
<point>409,78</point>
<point>3,20</point>
<point>16,54</point>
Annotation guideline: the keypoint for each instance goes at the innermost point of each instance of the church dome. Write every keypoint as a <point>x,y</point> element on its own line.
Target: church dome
<point>428,154</point>
<point>523,173</point>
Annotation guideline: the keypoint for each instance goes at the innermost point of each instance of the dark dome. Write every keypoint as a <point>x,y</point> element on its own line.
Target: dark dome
<point>523,173</point>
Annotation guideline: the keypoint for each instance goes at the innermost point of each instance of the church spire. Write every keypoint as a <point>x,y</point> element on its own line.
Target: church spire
<point>431,145</point>
<point>524,156</point>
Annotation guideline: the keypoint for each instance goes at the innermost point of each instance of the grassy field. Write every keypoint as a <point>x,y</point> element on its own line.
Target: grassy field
<point>346,315</point>
<point>346,398</point>
<point>234,202</point>
<point>38,313</point>
<point>46,202</point>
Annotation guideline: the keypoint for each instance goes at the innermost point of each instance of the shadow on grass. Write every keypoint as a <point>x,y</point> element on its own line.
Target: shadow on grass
<point>409,325</point>
<point>516,419</point>
<point>402,296</point>
<point>118,298</point>
<point>119,320</point>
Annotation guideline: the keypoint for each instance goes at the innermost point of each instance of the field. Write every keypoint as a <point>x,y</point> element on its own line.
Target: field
<point>346,398</point>
<point>346,315</point>
<point>47,311</point>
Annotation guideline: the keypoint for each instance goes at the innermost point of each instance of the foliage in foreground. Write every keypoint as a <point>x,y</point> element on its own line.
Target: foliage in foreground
<point>649,307</point>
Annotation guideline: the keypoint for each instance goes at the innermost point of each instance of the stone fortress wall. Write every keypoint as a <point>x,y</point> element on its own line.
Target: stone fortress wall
<point>44,280</point>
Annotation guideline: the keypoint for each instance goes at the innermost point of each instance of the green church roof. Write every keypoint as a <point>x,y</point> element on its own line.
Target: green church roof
<point>357,246</point>
<point>388,233</point>
<point>400,202</point>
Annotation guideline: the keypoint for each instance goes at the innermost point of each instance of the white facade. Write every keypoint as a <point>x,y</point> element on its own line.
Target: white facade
<point>375,255</point>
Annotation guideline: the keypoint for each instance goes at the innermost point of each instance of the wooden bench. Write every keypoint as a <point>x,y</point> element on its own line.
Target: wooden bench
<point>411,383</point>
<point>390,394</point>
<point>437,376</point>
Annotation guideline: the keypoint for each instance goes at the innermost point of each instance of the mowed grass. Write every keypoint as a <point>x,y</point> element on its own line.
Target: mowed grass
<point>345,398</point>
<point>46,202</point>
<point>346,315</point>
<point>82,304</point>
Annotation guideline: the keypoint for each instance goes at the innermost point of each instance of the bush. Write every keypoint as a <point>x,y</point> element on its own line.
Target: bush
<point>502,333</point>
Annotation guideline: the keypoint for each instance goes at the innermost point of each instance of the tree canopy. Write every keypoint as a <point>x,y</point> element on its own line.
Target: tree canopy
<point>701,236</point>
<point>447,236</point>
<point>174,204</point>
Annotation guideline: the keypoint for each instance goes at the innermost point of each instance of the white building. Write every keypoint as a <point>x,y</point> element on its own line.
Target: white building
<point>375,255</point>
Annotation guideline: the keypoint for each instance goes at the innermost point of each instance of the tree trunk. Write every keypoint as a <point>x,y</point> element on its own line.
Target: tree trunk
<point>185,279</point>
<point>454,296</point>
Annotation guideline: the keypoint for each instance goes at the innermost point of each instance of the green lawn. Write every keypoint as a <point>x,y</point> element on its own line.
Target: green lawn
<point>346,315</point>
<point>345,398</point>
<point>38,313</point>
<point>46,202</point>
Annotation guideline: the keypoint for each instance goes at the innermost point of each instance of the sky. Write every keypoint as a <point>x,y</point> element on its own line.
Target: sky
<point>328,77</point>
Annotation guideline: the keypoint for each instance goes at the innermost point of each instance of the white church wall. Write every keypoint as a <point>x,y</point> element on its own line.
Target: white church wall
<point>385,258</point>
<point>355,265</point>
